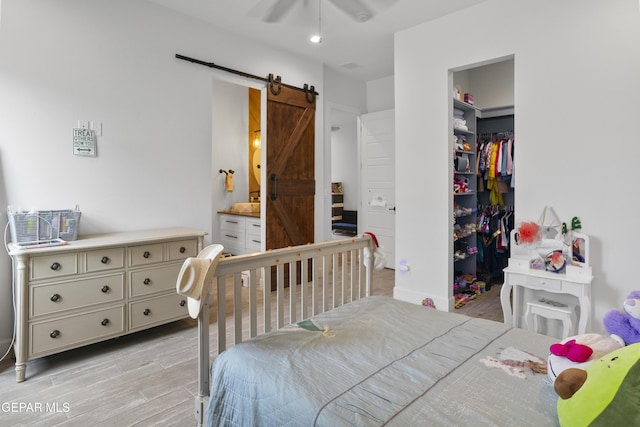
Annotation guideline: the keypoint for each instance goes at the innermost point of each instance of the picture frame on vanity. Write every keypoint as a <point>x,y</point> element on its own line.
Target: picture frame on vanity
<point>579,263</point>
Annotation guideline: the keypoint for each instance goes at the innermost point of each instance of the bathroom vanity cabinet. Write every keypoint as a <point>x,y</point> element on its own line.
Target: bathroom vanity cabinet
<point>97,287</point>
<point>240,233</point>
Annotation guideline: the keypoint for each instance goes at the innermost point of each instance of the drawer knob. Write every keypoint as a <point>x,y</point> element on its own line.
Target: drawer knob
<point>182,249</point>
<point>147,281</point>
<point>146,254</point>
<point>104,322</point>
<point>105,289</point>
<point>105,260</point>
<point>182,303</point>
<point>55,297</point>
<point>55,266</point>
<point>55,333</point>
<point>146,312</point>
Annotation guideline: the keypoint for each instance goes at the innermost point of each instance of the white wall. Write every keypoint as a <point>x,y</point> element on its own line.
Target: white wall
<point>344,162</point>
<point>114,62</point>
<point>576,89</point>
<point>380,94</point>
<point>492,85</point>
<point>230,127</point>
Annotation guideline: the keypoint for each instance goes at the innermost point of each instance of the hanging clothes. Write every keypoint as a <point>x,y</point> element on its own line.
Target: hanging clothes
<point>494,227</point>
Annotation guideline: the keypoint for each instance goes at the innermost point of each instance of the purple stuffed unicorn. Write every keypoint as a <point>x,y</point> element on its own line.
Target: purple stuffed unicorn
<point>625,325</point>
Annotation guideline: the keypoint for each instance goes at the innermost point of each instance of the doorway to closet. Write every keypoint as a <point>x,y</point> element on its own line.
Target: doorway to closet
<point>484,185</point>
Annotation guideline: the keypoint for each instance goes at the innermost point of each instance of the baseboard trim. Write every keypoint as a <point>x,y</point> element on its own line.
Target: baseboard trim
<point>4,346</point>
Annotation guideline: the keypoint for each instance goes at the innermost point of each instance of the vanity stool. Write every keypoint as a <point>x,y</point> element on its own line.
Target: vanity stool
<point>548,309</point>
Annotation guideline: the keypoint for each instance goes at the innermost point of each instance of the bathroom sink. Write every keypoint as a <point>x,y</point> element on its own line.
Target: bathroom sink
<point>245,207</point>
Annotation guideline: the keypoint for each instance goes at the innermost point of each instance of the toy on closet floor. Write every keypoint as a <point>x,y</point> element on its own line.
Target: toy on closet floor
<point>603,394</point>
<point>578,351</point>
<point>465,289</point>
<point>625,325</point>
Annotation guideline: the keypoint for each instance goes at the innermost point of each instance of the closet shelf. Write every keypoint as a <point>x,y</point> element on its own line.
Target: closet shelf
<point>464,190</point>
<point>462,131</point>
<point>457,102</point>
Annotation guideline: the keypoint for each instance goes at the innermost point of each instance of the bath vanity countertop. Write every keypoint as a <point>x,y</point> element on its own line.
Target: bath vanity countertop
<point>249,214</point>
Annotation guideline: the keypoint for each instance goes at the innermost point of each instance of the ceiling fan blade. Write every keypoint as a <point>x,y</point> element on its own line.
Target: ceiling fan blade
<point>279,10</point>
<point>356,9</point>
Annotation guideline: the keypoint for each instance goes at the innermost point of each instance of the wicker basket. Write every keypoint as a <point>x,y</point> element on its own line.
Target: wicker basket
<point>43,226</point>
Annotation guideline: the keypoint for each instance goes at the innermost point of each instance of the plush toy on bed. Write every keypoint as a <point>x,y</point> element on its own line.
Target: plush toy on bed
<point>606,393</point>
<point>625,325</point>
<point>578,352</point>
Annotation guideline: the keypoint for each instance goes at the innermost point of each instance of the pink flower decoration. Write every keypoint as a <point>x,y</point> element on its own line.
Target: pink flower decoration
<point>529,232</point>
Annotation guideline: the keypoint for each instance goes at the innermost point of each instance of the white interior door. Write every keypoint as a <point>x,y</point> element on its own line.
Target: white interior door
<point>377,181</point>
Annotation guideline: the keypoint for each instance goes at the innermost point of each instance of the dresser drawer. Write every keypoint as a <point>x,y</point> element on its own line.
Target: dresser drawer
<point>544,283</point>
<point>72,331</point>
<point>145,254</point>
<point>157,310</point>
<point>57,297</point>
<point>254,225</point>
<point>233,241</point>
<point>232,223</point>
<point>48,266</point>
<point>104,259</point>
<point>253,240</point>
<point>517,279</point>
<point>253,243</point>
<point>182,249</point>
<point>152,280</point>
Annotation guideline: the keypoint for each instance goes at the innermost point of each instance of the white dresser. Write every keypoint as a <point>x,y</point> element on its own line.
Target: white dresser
<point>97,287</point>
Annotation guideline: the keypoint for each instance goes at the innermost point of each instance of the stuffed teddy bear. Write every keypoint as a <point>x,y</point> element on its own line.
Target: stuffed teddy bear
<point>625,325</point>
<point>604,394</point>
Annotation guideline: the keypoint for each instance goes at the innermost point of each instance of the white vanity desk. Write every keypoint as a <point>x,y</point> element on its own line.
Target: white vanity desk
<point>518,276</point>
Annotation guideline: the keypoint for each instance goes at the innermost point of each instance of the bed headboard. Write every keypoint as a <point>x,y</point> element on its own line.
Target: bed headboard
<point>309,279</point>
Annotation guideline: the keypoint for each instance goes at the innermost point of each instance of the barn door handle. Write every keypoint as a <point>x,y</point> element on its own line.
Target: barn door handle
<point>274,178</point>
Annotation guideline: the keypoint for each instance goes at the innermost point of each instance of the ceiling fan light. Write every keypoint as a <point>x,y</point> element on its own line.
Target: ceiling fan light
<point>316,38</point>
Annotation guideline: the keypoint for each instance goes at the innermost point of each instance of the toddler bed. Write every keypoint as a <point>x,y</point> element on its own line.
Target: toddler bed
<point>361,360</point>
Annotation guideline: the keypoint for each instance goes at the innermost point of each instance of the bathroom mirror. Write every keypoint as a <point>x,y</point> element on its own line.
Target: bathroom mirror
<point>255,163</point>
<point>254,140</point>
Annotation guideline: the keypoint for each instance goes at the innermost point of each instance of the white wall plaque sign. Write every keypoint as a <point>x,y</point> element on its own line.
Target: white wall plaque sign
<point>84,142</point>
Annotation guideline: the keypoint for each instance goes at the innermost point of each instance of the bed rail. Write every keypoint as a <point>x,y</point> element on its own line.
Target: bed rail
<point>307,280</point>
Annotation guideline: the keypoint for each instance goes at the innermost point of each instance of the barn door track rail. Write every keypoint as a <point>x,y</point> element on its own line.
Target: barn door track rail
<point>275,83</point>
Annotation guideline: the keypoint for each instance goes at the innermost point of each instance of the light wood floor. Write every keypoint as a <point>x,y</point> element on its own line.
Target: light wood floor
<point>143,379</point>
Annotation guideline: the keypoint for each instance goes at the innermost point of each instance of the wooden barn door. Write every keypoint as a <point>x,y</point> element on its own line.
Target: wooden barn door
<point>290,171</point>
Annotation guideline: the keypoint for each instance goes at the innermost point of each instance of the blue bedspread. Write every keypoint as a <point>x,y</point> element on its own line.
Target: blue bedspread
<point>384,362</point>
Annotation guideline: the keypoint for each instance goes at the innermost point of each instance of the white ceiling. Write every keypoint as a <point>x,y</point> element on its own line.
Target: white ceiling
<point>363,50</point>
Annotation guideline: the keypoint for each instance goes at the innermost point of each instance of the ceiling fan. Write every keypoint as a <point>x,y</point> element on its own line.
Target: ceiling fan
<point>358,10</point>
